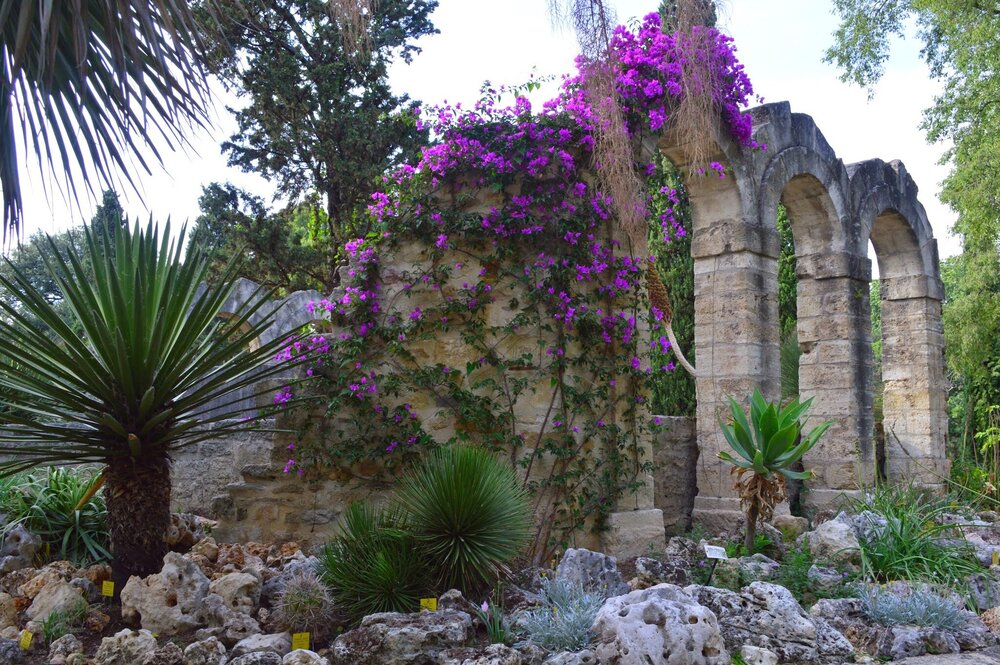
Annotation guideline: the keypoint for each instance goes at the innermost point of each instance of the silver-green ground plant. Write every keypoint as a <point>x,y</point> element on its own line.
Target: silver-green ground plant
<point>564,619</point>
<point>916,605</point>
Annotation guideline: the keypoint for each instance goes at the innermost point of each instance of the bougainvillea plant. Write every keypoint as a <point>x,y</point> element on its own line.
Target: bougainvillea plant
<point>499,304</point>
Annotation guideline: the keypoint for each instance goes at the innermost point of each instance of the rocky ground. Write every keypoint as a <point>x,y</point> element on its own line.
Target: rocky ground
<point>214,605</point>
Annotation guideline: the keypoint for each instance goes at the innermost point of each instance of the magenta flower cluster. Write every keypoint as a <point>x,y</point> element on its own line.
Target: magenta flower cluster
<point>539,213</point>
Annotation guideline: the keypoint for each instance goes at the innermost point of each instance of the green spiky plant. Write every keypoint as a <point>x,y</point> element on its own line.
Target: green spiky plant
<point>767,446</point>
<point>470,515</point>
<point>156,369</point>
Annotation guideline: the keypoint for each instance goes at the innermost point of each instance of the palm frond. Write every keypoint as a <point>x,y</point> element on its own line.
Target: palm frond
<point>89,85</point>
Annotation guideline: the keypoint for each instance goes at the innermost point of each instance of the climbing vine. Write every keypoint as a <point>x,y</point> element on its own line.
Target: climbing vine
<point>499,303</point>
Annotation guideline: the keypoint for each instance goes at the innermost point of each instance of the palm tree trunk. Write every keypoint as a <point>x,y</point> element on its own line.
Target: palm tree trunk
<point>137,492</point>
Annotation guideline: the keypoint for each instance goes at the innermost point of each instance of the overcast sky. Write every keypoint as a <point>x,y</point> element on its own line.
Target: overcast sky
<point>781,42</point>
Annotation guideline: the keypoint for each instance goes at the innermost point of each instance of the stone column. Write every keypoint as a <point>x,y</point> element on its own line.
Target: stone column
<point>834,330</point>
<point>736,343</point>
<point>915,386</point>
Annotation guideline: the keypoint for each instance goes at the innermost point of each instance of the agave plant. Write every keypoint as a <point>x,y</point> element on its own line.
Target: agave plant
<point>767,446</point>
<point>154,370</point>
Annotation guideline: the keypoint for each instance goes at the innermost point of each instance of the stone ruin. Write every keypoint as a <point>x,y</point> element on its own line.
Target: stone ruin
<point>834,209</point>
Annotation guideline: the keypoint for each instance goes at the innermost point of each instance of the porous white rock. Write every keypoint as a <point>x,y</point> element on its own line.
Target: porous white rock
<point>168,602</point>
<point>662,624</point>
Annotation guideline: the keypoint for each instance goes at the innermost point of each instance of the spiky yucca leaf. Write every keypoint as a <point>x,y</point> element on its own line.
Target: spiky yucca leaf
<point>469,513</point>
<point>154,370</point>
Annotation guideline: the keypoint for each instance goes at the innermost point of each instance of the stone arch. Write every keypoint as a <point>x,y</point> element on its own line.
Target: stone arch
<point>801,170</point>
<point>914,384</point>
<point>735,279</point>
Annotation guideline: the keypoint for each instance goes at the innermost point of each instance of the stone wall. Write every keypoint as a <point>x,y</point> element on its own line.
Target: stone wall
<point>202,472</point>
<point>835,210</point>
<point>675,487</point>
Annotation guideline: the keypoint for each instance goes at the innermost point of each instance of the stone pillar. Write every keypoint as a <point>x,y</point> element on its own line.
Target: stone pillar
<point>915,386</point>
<point>736,343</point>
<point>834,330</point>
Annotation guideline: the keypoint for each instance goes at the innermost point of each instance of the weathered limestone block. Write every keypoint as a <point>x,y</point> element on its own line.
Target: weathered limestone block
<point>662,624</point>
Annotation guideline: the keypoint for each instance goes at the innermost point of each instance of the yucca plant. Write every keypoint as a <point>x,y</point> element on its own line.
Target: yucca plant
<point>373,565</point>
<point>156,369</point>
<point>767,445</point>
<point>469,513</point>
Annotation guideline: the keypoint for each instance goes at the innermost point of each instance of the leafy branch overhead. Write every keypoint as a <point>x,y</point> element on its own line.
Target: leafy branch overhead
<point>96,88</point>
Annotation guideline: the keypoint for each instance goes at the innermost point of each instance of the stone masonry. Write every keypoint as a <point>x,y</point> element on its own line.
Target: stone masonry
<point>834,211</point>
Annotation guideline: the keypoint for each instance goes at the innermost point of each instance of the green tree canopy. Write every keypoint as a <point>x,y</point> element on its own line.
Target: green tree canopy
<point>321,117</point>
<point>287,250</point>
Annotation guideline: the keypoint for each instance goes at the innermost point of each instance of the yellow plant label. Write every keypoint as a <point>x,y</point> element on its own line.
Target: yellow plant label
<point>429,604</point>
<point>107,588</point>
<point>996,558</point>
<point>26,636</point>
<point>300,641</point>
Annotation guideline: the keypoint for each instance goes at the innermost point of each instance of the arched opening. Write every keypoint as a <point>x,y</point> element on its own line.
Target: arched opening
<point>912,380</point>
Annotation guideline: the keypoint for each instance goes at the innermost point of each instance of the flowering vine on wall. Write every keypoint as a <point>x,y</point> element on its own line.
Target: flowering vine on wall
<point>498,302</point>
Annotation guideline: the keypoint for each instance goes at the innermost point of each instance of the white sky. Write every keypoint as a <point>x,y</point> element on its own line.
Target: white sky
<point>781,42</point>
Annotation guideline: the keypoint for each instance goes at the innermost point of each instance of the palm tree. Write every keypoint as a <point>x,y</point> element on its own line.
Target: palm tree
<point>155,369</point>
<point>83,83</point>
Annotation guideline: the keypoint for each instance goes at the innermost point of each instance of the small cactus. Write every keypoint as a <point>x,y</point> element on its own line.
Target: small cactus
<point>305,604</point>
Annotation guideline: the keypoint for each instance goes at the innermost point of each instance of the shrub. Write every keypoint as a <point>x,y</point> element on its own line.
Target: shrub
<point>563,621</point>
<point>373,565</point>
<point>469,513</point>
<point>912,544</point>
<point>305,604</point>
<point>45,503</point>
<point>915,606</point>
<point>767,445</point>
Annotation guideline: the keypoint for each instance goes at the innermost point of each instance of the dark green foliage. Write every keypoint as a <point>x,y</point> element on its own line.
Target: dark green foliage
<point>45,503</point>
<point>673,393</point>
<point>374,564</point>
<point>288,250</point>
<point>320,117</point>
<point>913,545</point>
<point>790,353</point>
<point>469,513</point>
<point>787,280</point>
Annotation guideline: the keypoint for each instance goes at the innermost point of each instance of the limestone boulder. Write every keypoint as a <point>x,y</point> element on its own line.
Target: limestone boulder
<point>496,654</point>
<point>239,591</point>
<point>20,547</point>
<point>126,647</point>
<point>835,541</point>
<point>585,657</point>
<point>168,654</point>
<point>168,602</point>
<point>768,616</point>
<point>662,624</point>
<point>227,624</point>
<point>594,571</point>
<point>8,611</point>
<point>210,651</point>
<point>257,658</point>
<point>400,639</point>
<point>56,597</point>
<point>64,647</point>
<point>303,657</point>
<point>277,643</point>
<point>650,572</point>
<point>756,656</point>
